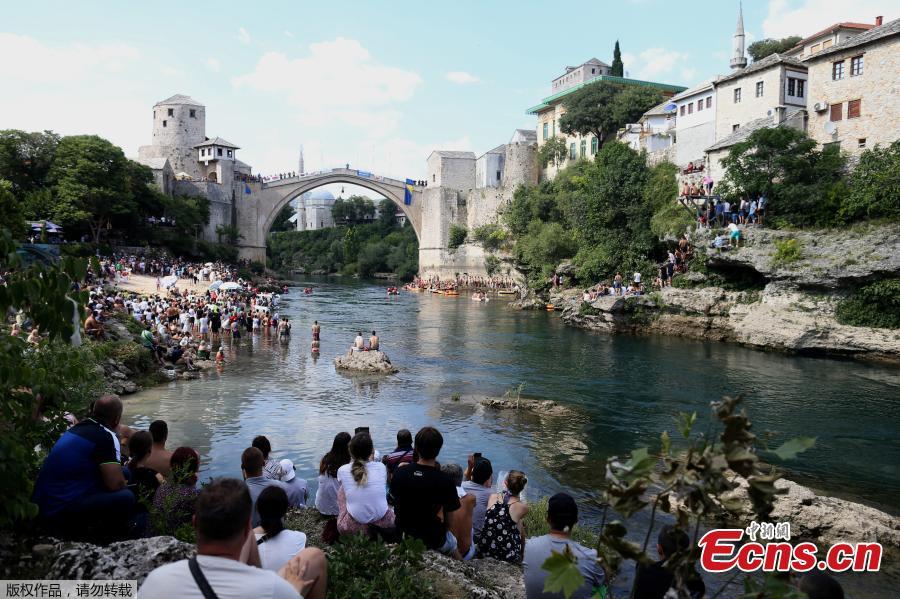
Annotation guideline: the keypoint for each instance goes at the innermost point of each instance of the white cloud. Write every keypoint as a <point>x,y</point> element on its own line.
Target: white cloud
<point>461,77</point>
<point>337,80</point>
<point>213,64</point>
<point>660,64</point>
<point>28,60</point>
<point>288,33</point>
<point>243,36</point>
<point>805,17</point>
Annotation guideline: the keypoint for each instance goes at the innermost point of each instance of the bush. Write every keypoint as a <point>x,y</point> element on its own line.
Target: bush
<point>874,185</point>
<point>491,236</point>
<point>360,567</point>
<point>787,251</point>
<point>491,264</point>
<point>875,305</point>
<point>457,236</point>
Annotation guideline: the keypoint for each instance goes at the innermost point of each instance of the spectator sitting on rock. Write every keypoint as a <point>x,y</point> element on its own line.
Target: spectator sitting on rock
<point>503,534</point>
<point>462,522</point>
<point>425,499</point>
<point>655,580</point>
<point>80,490</point>
<point>297,490</point>
<point>276,545</point>
<point>252,463</point>
<point>479,478</point>
<point>272,468</point>
<point>175,498</point>
<point>326,494</point>
<point>144,479</point>
<point>562,514</point>
<point>403,454</point>
<point>223,526</point>
<point>361,498</point>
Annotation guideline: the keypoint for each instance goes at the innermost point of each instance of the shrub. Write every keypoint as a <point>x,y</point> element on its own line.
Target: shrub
<point>491,264</point>
<point>875,185</point>
<point>360,567</point>
<point>457,236</point>
<point>875,305</point>
<point>491,236</point>
<point>787,251</point>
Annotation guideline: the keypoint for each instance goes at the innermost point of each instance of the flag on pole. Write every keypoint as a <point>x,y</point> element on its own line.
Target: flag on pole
<point>407,193</point>
<point>246,188</point>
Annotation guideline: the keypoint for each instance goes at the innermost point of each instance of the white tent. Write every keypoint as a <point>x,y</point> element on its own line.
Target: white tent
<point>229,286</point>
<point>169,281</point>
<point>215,285</point>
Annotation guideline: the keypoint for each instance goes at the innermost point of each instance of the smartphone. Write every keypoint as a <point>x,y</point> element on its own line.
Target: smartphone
<point>477,456</point>
<point>361,429</point>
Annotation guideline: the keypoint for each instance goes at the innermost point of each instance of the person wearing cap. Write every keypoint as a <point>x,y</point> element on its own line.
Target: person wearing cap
<point>478,483</point>
<point>296,487</point>
<point>562,514</point>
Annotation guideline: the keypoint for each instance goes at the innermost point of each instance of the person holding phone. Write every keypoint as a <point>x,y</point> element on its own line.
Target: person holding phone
<point>479,478</point>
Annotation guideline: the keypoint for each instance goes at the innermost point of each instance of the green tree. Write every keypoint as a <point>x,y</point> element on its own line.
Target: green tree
<point>553,151</point>
<point>387,214</point>
<point>92,186</point>
<point>600,109</point>
<point>768,46</point>
<point>874,185</point>
<point>618,68</point>
<point>282,220</point>
<point>457,236</point>
<point>26,158</point>
<point>11,210</point>
<point>786,166</point>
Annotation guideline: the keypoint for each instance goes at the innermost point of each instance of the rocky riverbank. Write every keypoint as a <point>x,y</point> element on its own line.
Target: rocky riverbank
<point>778,291</point>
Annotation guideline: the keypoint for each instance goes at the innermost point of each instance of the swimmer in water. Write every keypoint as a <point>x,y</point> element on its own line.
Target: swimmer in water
<point>315,330</point>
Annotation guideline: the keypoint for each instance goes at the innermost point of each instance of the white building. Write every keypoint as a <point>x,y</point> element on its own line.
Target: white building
<point>581,74</point>
<point>695,123</point>
<point>317,205</point>
<point>489,167</point>
<point>828,38</point>
<point>652,133</point>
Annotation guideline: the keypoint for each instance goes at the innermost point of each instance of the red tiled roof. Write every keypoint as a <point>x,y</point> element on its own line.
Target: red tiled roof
<point>843,25</point>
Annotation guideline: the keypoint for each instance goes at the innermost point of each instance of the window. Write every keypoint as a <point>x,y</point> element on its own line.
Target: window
<point>546,130</point>
<point>699,104</point>
<point>836,112</point>
<point>583,148</point>
<point>229,153</point>
<point>219,151</point>
<point>682,110</point>
<point>709,102</point>
<point>171,112</point>
<point>861,143</point>
<point>498,176</point>
<point>737,95</point>
<point>827,44</point>
<point>759,89</point>
<point>837,70</point>
<point>203,151</point>
<point>595,145</point>
<point>853,107</point>
<point>690,108</point>
<point>433,178</point>
<point>801,84</point>
<point>193,113</point>
<point>815,48</point>
<point>856,66</point>
<point>735,127</point>
<point>164,123</point>
<point>795,87</point>
<point>592,71</point>
<point>572,151</point>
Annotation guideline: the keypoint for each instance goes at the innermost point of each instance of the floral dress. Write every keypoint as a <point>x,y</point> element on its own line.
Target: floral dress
<point>500,538</point>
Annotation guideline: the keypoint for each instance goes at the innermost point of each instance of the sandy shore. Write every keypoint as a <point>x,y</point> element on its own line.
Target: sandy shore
<point>146,285</point>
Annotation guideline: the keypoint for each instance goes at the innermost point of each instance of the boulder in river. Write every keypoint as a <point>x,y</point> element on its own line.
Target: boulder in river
<point>366,362</point>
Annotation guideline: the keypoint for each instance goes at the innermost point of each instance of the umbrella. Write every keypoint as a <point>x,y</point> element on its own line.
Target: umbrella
<point>182,176</point>
<point>229,286</point>
<point>215,285</point>
<point>169,281</point>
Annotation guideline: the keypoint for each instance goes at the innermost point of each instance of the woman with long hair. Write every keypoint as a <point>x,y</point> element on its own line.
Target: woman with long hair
<point>275,544</point>
<point>326,494</point>
<point>503,535</point>
<point>175,498</point>
<point>145,479</point>
<point>362,497</point>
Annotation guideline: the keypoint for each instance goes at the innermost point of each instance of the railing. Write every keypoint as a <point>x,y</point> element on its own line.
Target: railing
<point>334,171</point>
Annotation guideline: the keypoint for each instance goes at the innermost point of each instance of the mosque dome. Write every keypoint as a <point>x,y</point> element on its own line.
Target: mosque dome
<point>321,194</point>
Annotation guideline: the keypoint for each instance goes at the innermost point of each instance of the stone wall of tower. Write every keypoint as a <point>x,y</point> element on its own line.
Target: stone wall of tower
<point>175,135</point>
<point>521,165</point>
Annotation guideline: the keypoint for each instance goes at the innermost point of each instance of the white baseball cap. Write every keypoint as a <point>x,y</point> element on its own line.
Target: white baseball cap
<point>287,470</point>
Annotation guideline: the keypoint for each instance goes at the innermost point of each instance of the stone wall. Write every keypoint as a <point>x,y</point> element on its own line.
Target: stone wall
<point>220,203</point>
<point>877,88</point>
<point>451,172</point>
<point>691,143</point>
<point>729,113</point>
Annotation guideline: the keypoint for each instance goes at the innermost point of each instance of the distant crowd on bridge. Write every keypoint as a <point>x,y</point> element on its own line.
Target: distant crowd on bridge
<point>294,174</point>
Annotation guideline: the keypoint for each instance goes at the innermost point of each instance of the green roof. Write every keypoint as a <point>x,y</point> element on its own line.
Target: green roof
<point>545,103</point>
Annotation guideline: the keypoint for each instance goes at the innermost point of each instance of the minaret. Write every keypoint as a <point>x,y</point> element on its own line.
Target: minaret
<point>301,171</point>
<point>738,60</point>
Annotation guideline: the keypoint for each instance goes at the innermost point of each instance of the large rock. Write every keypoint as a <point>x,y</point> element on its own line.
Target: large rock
<point>476,578</point>
<point>127,560</point>
<point>367,362</point>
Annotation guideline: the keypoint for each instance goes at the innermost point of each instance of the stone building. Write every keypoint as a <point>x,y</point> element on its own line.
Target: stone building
<point>695,123</point>
<point>828,38</point>
<point>653,133</point>
<point>551,109</point>
<point>854,90</point>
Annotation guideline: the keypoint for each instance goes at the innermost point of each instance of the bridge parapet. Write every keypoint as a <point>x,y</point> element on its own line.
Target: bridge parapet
<point>336,171</point>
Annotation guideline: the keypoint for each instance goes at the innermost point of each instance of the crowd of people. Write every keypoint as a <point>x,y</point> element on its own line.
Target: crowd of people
<point>503,283</point>
<point>718,212</point>
<point>103,481</point>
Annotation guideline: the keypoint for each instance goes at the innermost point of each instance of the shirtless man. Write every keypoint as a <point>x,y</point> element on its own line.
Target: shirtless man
<point>358,343</point>
<point>373,342</point>
<point>315,330</point>
<point>92,326</point>
<point>159,455</point>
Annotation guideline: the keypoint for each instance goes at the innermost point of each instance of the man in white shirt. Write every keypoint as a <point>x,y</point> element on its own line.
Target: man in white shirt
<point>222,522</point>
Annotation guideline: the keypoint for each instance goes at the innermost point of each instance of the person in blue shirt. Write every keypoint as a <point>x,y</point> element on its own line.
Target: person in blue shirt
<point>81,490</point>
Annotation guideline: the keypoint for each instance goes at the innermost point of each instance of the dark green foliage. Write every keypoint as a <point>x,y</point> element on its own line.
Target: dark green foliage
<point>490,236</point>
<point>874,186</point>
<point>768,46</point>
<point>282,220</point>
<point>457,236</point>
<point>618,68</point>
<point>11,211</point>
<point>786,166</point>
<point>360,249</point>
<point>787,251</point>
<point>600,109</point>
<point>26,158</point>
<point>491,264</point>
<point>874,305</point>
<point>553,151</point>
<point>359,567</point>
<point>353,210</point>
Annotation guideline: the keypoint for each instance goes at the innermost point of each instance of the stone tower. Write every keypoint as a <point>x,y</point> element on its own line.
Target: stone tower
<point>179,124</point>
<point>738,59</point>
<point>301,169</point>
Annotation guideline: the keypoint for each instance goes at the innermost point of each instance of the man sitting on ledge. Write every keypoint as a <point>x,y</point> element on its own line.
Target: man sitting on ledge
<point>222,522</point>
<point>80,489</point>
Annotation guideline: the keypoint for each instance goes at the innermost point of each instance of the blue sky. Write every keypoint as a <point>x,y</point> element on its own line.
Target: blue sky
<point>376,84</point>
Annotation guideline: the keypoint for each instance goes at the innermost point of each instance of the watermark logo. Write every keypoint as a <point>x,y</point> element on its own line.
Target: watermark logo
<point>767,548</point>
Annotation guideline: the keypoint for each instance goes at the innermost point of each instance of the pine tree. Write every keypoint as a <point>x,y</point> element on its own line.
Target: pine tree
<point>618,69</point>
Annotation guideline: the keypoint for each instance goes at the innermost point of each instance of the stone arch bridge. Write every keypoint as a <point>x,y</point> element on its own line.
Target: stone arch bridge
<point>256,211</point>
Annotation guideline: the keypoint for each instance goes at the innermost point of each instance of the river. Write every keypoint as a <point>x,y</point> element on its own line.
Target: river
<point>625,391</point>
